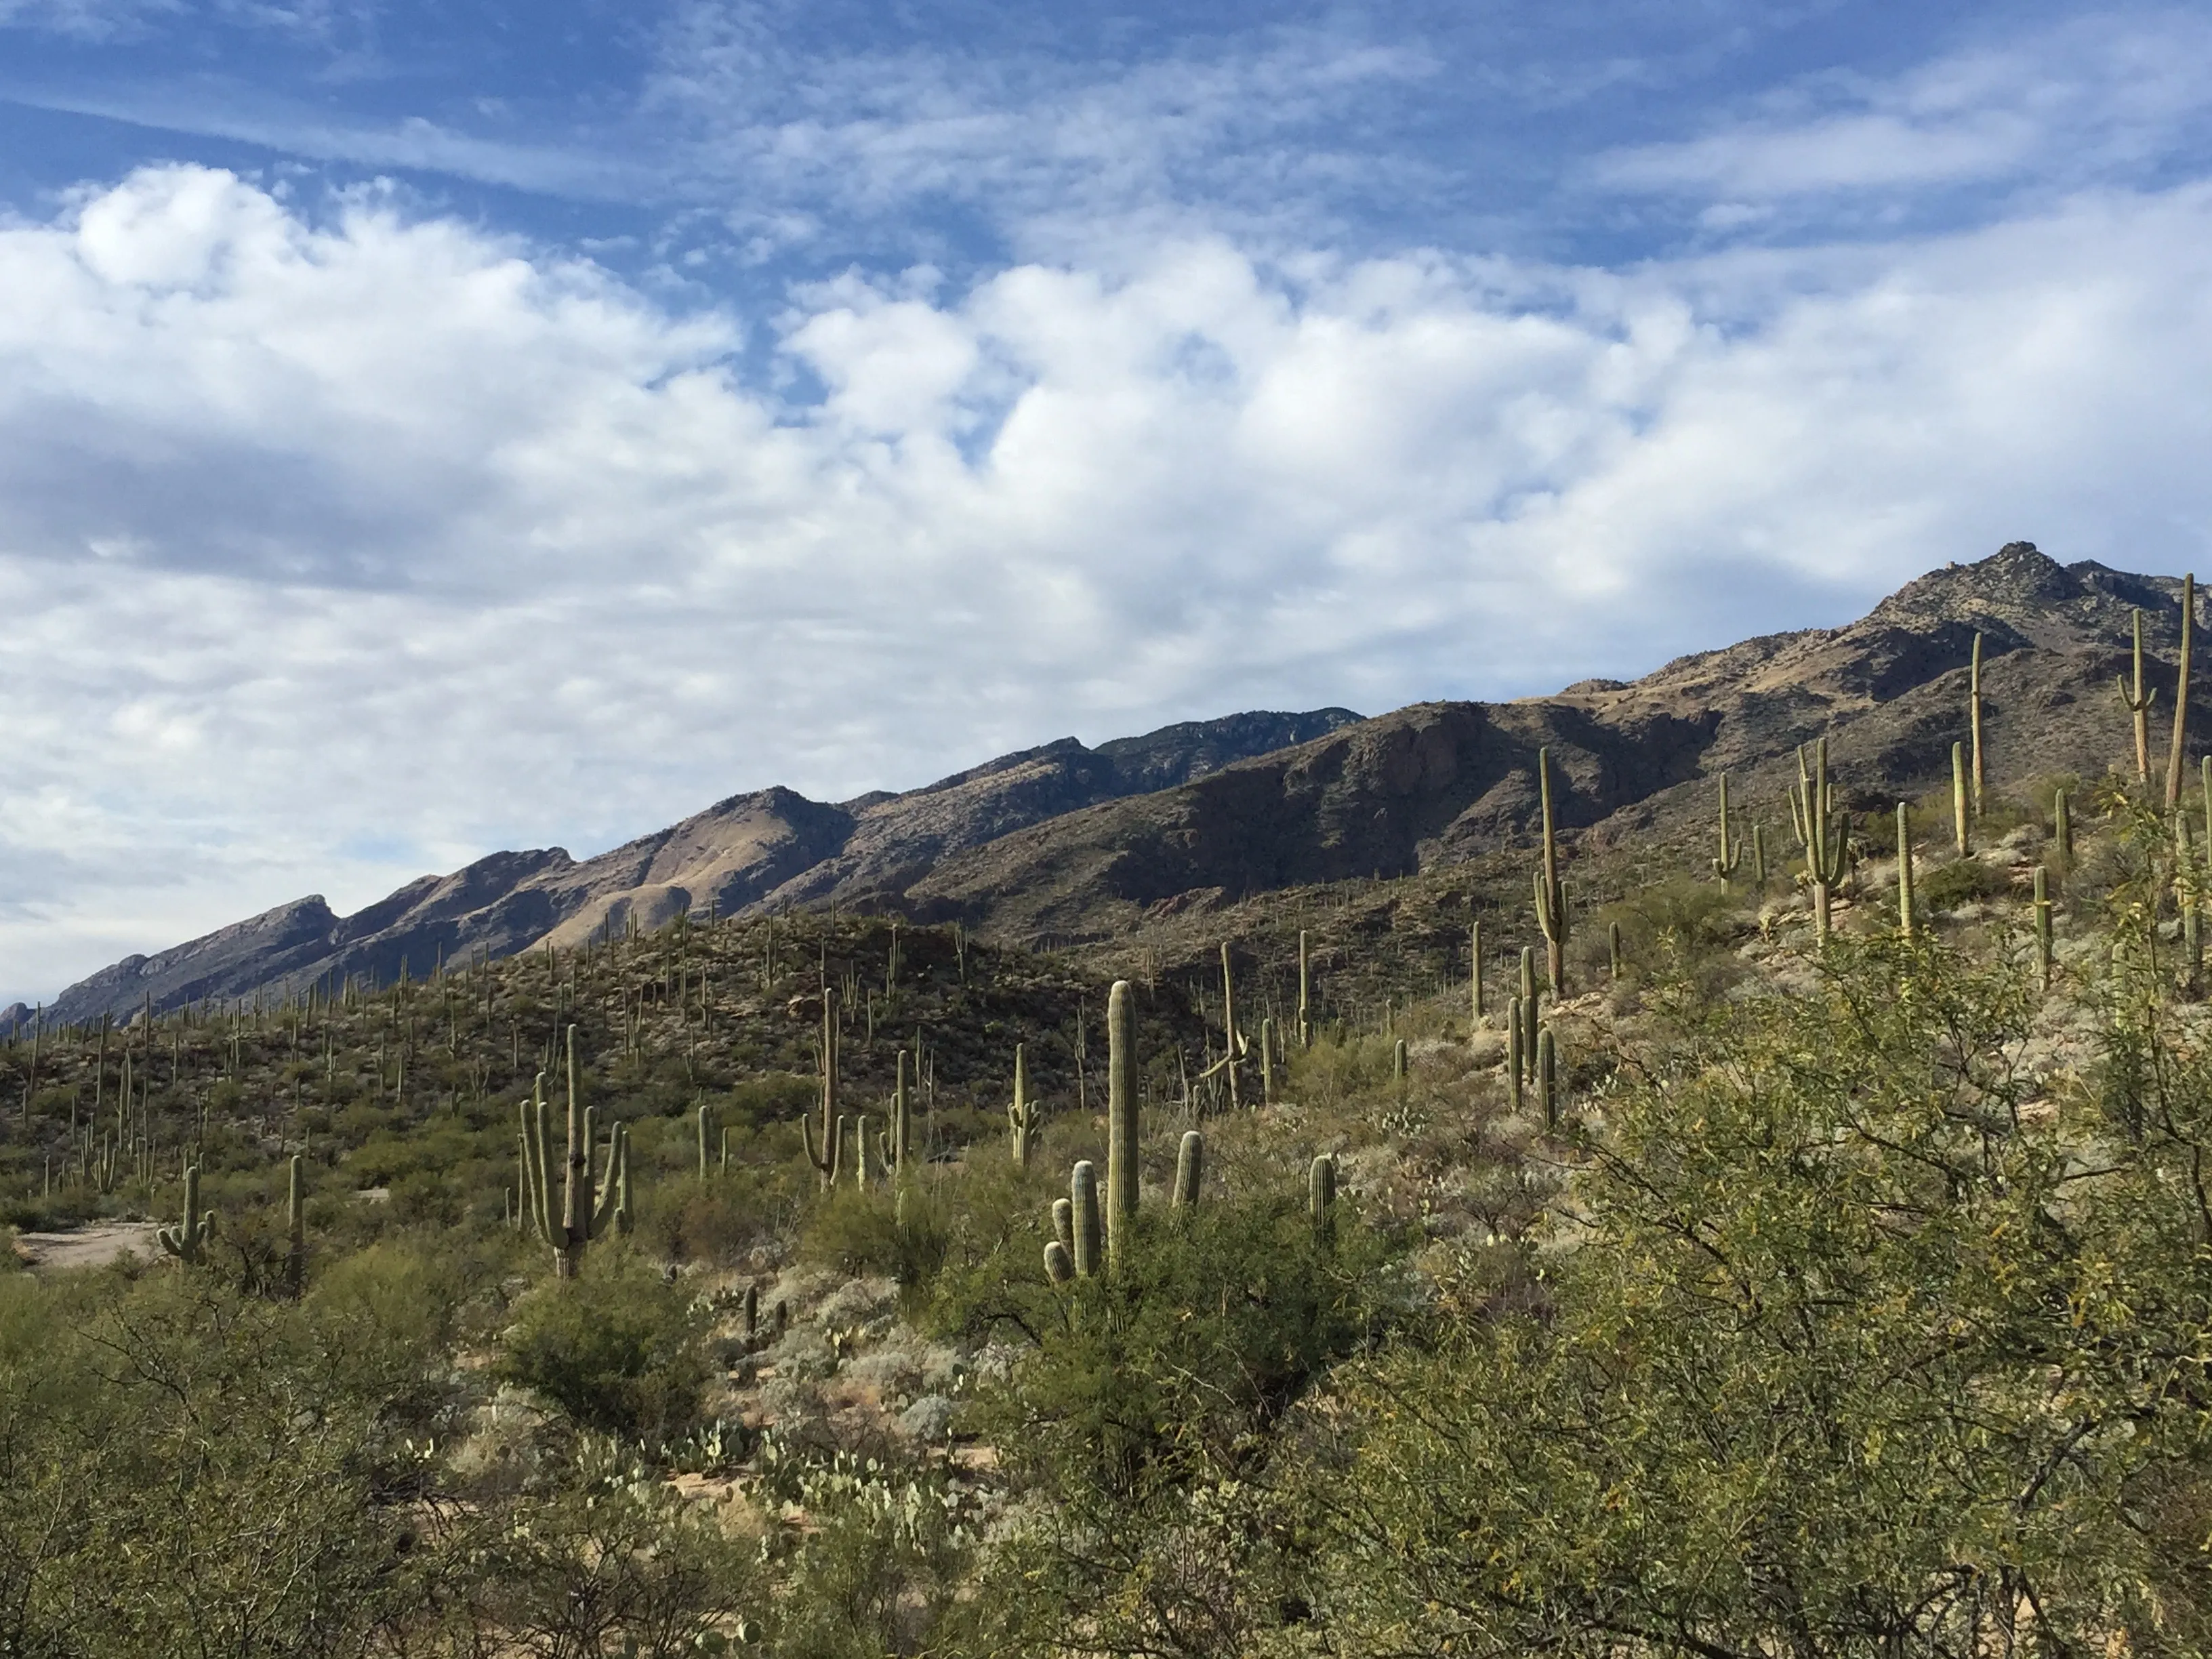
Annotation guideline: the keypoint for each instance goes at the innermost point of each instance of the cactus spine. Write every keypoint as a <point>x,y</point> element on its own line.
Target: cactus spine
<point>1120,1116</point>
<point>1730,857</point>
<point>1819,830</point>
<point>2137,704</point>
<point>825,1159</point>
<point>1974,719</point>
<point>2043,925</point>
<point>188,1237</point>
<point>1550,894</point>
<point>1190,1168</point>
<point>1904,869</point>
<point>2176,757</point>
<point>1021,1111</point>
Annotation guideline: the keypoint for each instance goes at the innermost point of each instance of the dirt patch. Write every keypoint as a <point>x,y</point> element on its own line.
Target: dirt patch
<point>88,1247</point>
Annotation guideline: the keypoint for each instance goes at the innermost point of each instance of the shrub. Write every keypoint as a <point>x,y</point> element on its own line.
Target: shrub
<point>616,1349</point>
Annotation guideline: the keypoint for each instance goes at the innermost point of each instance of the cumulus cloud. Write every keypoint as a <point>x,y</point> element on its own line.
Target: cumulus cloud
<point>339,543</point>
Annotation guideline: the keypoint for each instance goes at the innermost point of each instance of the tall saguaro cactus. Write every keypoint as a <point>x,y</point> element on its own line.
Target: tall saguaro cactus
<point>1962,819</point>
<point>188,1237</point>
<point>2137,704</point>
<point>1974,719</point>
<point>1819,830</point>
<point>2176,759</point>
<point>1305,1026</point>
<point>825,1158</point>
<point>588,1207</point>
<point>1730,857</point>
<point>296,1227</point>
<point>1021,1111</point>
<point>1120,1116</point>
<point>1550,894</point>
<point>1904,869</point>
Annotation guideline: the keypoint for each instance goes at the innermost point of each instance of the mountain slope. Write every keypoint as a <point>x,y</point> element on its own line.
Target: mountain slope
<point>1440,782</point>
<point>765,850</point>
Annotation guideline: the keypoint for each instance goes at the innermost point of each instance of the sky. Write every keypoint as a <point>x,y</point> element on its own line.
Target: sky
<point>430,429</point>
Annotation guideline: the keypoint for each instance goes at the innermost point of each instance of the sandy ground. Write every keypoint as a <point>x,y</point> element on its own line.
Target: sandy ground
<point>88,1247</point>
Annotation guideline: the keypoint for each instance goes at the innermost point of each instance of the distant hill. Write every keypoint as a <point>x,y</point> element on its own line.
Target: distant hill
<point>771,849</point>
<point>1066,844</point>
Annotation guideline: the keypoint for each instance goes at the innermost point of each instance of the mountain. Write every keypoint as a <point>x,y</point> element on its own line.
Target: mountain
<point>1440,783</point>
<point>1063,844</point>
<point>766,850</point>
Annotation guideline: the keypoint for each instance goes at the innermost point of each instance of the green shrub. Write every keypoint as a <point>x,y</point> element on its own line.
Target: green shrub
<point>616,1349</point>
<point>1961,882</point>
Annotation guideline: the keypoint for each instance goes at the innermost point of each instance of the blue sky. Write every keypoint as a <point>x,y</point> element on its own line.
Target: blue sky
<point>425,430</point>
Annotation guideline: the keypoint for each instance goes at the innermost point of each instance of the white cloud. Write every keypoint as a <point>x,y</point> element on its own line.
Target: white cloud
<point>2093,97</point>
<point>339,546</point>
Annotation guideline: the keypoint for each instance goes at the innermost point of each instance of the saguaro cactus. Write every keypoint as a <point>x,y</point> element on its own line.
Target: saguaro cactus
<point>1266,1062</point>
<point>1730,857</point>
<point>1904,869</point>
<point>1551,893</point>
<point>1516,1064</point>
<point>2062,816</point>
<point>1974,719</point>
<point>1021,1111</point>
<point>1084,1217</point>
<point>296,1227</point>
<point>825,1159</point>
<point>2137,704</point>
<point>185,1240</point>
<point>1962,821</point>
<point>588,1206</point>
<point>1190,1168</point>
<point>902,1130</point>
<point>1305,1027</point>
<point>1548,1076</point>
<point>2176,757</point>
<point>706,1136</point>
<point>2043,925</point>
<point>1819,830</point>
<point>1120,1116</point>
<point>1321,1194</point>
<point>1474,971</point>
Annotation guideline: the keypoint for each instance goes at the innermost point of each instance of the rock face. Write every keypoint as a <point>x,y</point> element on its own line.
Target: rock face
<point>1063,843</point>
<point>1440,782</point>
<point>770,849</point>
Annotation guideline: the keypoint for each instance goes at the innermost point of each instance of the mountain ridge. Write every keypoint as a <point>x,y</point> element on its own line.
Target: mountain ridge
<point>1063,844</point>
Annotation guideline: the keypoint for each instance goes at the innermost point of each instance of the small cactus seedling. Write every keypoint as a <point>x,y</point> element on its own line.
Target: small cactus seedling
<point>2137,704</point>
<point>189,1237</point>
